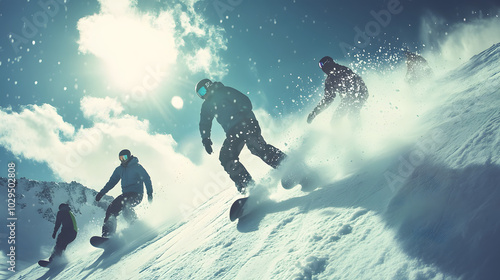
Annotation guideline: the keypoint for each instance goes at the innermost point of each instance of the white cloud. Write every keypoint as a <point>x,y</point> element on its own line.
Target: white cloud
<point>130,42</point>
<point>200,61</point>
<point>90,154</point>
<point>100,108</point>
<point>34,132</point>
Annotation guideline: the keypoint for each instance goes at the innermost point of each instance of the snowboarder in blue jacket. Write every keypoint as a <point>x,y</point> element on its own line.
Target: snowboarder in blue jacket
<point>233,111</point>
<point>133,178</point>
<point>68,231</point>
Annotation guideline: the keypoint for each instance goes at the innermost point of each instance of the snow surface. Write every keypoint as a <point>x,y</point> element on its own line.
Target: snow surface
<point>410,196</point>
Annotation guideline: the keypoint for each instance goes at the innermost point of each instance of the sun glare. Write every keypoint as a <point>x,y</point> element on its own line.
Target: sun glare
<point>137,50</point>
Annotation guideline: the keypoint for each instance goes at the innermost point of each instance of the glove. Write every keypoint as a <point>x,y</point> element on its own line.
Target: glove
<point>208,145</point>
<point>99,196</point>
<point>150,198</point>
<point>311,117</point>
<point>54,235</point>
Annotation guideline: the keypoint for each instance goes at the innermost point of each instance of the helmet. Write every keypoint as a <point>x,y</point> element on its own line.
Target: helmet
<point>64,207</point>
<point>324,61</point>
<point>124,155</point>
<point>202,87</point>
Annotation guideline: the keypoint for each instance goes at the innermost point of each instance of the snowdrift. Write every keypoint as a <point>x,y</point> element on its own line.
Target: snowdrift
<point>423,209</point>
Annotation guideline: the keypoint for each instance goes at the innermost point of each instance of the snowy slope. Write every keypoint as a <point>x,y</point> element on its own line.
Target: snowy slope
<point>426,208</point>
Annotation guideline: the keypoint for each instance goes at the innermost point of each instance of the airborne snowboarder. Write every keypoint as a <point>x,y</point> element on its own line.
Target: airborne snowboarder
<point>233,111</point>
<point>342,81</point>
<point>68,231</point>
<point>133,176</point>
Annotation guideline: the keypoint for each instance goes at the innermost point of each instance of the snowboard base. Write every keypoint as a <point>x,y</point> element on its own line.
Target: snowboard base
<point>98,241</point>
<point>43,263</point>
<point>237,209</point>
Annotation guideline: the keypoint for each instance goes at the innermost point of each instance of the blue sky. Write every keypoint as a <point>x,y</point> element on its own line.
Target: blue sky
<point>268,49</point>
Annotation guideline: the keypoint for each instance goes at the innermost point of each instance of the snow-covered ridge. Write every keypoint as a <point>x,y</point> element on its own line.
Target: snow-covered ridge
<point>428,210</point>
<point>46,196</point>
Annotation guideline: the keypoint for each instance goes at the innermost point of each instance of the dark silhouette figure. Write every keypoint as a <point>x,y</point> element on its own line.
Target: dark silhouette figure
<point>348,85</point>
<point>417,68</point>
<point>68,231</point>
<point>233,111</point>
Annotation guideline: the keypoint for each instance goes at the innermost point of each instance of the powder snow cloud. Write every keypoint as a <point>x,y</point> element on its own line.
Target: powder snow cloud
<point>458,42</point>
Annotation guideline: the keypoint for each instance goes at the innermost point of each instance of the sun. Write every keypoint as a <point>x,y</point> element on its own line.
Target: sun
<point>136,50</point>
<point>177,102</point>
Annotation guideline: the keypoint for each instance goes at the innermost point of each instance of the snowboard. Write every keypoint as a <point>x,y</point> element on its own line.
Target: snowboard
<point>44,263</point>
<point>237,208</point>
<point>99,241</point>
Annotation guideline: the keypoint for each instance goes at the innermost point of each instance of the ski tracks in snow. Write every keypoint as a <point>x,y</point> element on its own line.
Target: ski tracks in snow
<point>479,145</point>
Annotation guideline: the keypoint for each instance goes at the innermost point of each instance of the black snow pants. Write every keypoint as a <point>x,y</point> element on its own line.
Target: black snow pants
<point>63,239</point>
<point>123,202</point>
<point>248,133</point>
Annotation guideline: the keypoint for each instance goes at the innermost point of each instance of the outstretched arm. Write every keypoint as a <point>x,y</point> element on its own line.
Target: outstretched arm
<point>113,180</point>
<point>322,105</point>
<point>147,181</point>
<point>58,224</point>
<point>206,118</point>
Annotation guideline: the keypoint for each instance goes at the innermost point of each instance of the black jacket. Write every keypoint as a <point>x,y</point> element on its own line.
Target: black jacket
<point>66,219</point>
<point>342,81</point>
<point>229,106</point>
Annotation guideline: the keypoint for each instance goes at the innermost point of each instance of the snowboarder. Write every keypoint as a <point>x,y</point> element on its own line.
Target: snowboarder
<point>68,231</point>
<point>233,111</point>
<point>342,81</point>
<point>417,68</point>
<point>132,176</point>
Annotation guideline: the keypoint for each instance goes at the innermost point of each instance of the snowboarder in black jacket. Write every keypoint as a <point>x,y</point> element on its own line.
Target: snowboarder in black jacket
<point>233,111</point>
<point>68,232</point>
<point>417,68</point>
<point>342,81</point>
<point>133,177</point>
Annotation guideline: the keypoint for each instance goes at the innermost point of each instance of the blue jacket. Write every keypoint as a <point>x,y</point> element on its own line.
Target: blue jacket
<point>229,106</point>
<point>133,176</point>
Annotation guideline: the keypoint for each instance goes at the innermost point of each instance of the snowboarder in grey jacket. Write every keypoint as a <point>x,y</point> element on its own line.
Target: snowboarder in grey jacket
<point>233,111</point>
<point>68,231</point>
<point>342,81</point>
<point>133,178</point>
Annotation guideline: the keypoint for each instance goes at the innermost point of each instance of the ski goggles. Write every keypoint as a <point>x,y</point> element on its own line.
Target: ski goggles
<point>202,91</point>
<point>123,158</point>
<point>321,64</point>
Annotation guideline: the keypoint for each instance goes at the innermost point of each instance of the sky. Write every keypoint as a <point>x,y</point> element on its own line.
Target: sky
<point>81,80</point>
